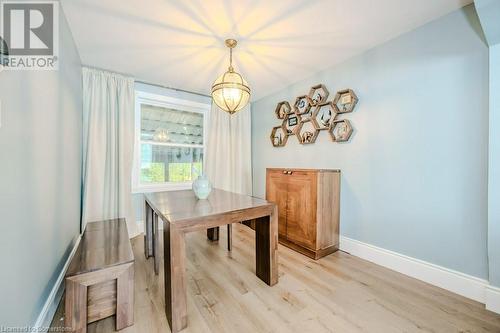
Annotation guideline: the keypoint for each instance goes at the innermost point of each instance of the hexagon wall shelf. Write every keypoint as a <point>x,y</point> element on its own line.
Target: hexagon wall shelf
<point>283,109</point>
<point>302,106</point>
<point>340,130</point>
<point>291,123</point>
<point>345,101</point>
<point>313,113</point>
<point>278,136</point>
<point>307,132</point>
<point>323,115</point>
<point>318,94</point>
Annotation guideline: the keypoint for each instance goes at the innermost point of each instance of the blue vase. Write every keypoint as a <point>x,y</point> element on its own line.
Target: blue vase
<point>202,187</point>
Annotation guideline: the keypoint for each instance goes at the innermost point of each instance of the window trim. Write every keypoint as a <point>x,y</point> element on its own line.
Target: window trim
<point>158,100</point>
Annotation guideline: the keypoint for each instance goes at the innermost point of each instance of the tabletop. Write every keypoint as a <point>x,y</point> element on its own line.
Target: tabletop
<point>180,206</point>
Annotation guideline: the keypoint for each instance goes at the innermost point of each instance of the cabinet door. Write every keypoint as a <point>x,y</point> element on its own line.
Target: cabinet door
<point>276,192</point>
<point>301,209</point>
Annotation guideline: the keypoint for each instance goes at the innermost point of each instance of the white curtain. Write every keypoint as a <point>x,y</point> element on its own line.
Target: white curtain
<point>108,147</point>
<point>228,162</point>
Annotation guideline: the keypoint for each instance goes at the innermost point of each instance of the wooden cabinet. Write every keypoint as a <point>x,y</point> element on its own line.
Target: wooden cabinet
<point>308,209</point>
<point>278,196</point>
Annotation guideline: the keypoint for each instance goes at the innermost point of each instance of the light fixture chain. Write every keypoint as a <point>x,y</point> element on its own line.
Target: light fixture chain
<point>231,59</point>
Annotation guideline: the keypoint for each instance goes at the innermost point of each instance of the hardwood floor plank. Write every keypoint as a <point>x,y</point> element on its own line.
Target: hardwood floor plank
<point>338,293</point>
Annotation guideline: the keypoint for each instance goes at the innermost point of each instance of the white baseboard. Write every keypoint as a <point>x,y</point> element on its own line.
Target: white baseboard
<point>493,299</point>
<point>49,308</point>
<point>140,226</point>
<point>137,231</point>
<point>456,282</point>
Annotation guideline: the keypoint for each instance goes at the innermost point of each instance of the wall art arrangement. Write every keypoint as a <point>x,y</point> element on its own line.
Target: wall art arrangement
<point>313,113</point>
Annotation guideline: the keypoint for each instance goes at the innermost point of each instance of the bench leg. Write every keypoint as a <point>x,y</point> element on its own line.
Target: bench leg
<point>125,298</point>
<point>76,306</point>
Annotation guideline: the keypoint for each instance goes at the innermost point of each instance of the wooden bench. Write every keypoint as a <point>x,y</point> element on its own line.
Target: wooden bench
<point>100,278</point>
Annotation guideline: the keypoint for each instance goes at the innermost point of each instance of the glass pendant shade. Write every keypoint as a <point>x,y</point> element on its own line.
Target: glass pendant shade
<point>230,91</point>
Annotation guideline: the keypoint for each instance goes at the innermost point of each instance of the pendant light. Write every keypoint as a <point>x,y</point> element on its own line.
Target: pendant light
<point>230,91</point>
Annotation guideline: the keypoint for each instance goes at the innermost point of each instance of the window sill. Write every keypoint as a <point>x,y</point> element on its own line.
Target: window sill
<point>162,188</point>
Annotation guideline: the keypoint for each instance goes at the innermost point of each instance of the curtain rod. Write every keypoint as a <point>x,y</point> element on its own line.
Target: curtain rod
<point>176,89</point>
<point>145,82</point>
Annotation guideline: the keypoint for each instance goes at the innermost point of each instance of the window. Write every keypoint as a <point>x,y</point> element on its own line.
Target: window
<point>170,142</point>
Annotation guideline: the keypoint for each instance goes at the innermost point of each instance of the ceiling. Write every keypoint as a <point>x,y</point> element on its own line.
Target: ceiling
<point>180,43</point>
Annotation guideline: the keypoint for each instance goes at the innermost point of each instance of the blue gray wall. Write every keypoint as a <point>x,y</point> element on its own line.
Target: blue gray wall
<point>40,176</point>
<point>489,14</point>
<point>494,168</point>
<point>414,175</point>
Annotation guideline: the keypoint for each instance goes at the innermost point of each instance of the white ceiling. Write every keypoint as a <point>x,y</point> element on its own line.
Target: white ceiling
<point>180,43</point>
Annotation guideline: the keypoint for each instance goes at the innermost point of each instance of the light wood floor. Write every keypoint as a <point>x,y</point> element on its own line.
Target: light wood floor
<point>339,293</point>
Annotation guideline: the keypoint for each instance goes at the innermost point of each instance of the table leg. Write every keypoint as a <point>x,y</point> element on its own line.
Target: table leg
<point>174,260</point>
<point>266,248</point>
<point>229,237</point>
<point>148,230</point>
<point>213,234</point>
<point>156,244</point>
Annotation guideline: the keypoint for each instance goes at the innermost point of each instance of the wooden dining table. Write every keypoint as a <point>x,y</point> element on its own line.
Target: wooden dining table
<point>181,212</point>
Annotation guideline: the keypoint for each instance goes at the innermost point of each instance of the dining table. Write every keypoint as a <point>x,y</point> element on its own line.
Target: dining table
<point>181,212</point>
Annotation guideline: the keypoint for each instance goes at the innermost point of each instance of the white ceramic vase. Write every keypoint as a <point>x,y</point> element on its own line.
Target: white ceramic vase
<point>202,187</point>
